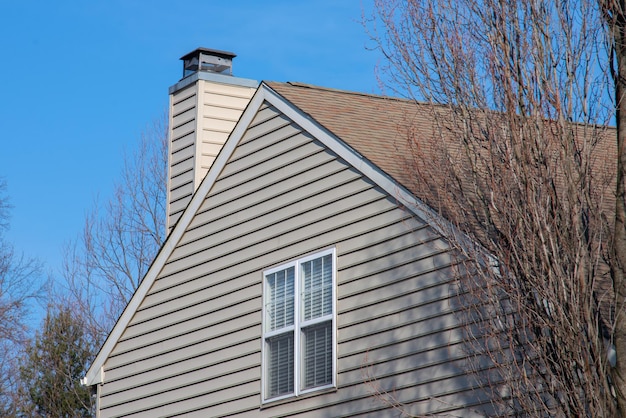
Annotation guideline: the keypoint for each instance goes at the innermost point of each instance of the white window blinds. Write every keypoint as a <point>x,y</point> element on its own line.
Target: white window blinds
<point>317,287</point>
<point>318,359</point>
<point>280,299</point>
<point>281,362</point>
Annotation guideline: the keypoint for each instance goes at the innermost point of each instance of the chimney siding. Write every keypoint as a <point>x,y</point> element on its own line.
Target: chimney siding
<point>204,109</point>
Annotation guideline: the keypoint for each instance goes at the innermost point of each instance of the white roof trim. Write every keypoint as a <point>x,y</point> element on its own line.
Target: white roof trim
<point>95,374</point>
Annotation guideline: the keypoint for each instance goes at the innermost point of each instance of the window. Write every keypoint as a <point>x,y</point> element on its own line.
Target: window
<point>299,326</point>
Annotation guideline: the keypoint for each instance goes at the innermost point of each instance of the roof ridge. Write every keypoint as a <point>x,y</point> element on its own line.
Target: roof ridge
<point>335,90</point>
<point>403,100</point>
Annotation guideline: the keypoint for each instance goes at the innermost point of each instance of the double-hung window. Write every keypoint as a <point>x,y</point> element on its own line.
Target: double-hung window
<point>299,326</point>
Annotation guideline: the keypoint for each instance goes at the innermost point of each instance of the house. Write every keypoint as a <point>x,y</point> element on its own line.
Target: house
<point>300,276</point>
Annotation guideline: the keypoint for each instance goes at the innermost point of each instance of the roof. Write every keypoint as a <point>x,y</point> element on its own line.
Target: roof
<point>384,130</point>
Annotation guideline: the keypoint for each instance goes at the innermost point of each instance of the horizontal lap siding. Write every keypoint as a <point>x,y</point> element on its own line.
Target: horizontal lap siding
<point>222,106</point>
<point>183,110</point>
<point>194,345</point>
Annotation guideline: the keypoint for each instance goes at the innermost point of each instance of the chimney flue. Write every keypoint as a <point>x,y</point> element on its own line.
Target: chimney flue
<point>208,60</point>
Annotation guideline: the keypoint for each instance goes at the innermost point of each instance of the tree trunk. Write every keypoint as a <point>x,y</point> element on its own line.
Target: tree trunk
<point>618,265</point>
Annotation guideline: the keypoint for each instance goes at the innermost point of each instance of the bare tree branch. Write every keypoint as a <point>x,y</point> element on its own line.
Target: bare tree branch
<point>19,285</point>
<point>521,158</point>
<point>120,239</point>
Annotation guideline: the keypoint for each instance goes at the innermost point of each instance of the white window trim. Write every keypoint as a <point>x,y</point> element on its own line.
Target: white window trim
<point>297,328</point>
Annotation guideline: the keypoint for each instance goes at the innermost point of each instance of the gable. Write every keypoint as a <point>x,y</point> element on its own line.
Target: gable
<point>193,343</point>
<point>283,187</point>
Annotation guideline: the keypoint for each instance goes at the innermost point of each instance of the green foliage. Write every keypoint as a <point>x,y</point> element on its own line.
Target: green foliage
<point>54,363</point>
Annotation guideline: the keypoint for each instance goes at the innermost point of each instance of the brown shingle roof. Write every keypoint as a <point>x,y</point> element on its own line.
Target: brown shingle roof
<point>381,129</point>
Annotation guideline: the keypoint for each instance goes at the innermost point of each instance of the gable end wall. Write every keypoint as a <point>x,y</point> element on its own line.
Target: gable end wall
<point>193,347</point>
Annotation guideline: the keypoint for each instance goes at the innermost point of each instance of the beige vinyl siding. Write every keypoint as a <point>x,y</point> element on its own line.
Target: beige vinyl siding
<point>222,106</point>
<point>193,347</point>
<point>203,115</point>
<point>183,111</point>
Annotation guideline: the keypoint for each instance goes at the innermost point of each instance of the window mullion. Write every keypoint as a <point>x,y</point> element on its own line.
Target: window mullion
<point>297,350</point>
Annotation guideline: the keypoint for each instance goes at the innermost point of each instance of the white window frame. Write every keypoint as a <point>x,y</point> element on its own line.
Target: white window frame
<point>297,328</point>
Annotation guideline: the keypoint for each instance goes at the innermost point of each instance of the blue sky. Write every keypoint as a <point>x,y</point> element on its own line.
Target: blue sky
<point>83,79</point>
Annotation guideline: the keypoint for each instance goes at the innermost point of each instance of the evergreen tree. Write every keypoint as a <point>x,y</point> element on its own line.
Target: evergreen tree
<point>54,362</point>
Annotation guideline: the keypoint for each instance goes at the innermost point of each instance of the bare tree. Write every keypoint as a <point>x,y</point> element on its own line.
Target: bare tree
<point>18,285</point>
<point>120,239</point>
<point>521,158</point>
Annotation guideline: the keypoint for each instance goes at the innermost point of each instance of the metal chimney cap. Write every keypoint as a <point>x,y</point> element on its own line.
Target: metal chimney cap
<point>208,51</point>
<point>208,60</point>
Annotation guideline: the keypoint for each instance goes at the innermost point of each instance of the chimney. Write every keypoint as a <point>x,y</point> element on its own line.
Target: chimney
<point>204,107</point>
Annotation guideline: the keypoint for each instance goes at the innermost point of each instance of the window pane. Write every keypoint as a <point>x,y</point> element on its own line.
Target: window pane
<point>280,365</point>
<point>317,287</point>
<point>279,307</point>
<point>318,355</point>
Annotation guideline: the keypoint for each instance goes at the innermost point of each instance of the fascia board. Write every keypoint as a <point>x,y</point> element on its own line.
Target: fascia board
<point>95,374</point>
